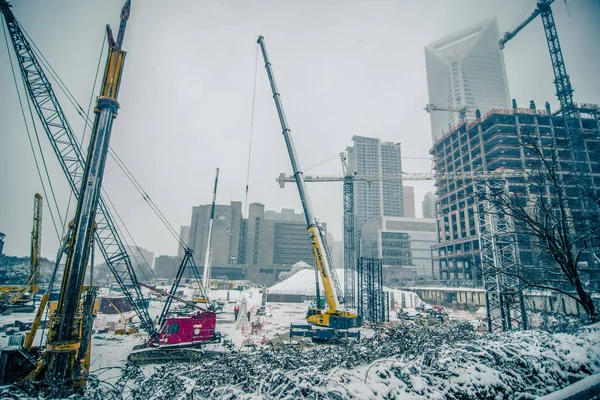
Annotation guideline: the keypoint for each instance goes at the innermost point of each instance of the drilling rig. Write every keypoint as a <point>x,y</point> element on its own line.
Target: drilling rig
<point>65,360</point>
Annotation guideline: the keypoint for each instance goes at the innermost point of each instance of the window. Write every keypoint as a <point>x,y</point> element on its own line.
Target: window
<point>174,327</point>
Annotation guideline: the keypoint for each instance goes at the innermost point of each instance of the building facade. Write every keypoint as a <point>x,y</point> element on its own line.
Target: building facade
<point>408,193</point>
<point>404,245</point>
<point>142,261</point>
<point>488,144</point>
<point>465,69</point>
<point>379,198</point>
<point>428,205</point>
<point>257,248</point>
<point>184,234</point>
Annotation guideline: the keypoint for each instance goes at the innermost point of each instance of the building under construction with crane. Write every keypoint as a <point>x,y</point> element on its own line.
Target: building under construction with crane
<point>472,246</point>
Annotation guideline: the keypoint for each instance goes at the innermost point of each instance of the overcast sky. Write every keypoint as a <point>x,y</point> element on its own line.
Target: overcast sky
<point>342,67</point>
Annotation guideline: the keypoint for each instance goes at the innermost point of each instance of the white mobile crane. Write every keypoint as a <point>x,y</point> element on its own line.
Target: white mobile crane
<point>334,321</point>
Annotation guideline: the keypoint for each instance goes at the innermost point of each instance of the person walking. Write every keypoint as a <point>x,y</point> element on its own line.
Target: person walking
<point>236,311</point>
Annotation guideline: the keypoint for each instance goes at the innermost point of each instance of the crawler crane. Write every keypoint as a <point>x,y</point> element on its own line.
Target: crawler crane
<point>334,321</point>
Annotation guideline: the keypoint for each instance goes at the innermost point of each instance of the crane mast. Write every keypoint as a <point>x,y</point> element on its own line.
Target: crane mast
<point>206,275</point>
<point>67,324</point>
<point>36,238</point>
<point>334,316</point>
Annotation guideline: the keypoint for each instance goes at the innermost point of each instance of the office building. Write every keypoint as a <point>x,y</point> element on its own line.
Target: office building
<point>403,244</point>
<point>408,193</point>
<point>490,144</point>
<point>257,248</point>
<point>465,69</point>
<point>428,205</point>
<point>184,234</point>
<point>377,198</point>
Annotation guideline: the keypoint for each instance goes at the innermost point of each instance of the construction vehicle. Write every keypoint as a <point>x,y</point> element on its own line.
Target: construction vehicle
<point>14,298</point>
<point>126,321</point>
<point>207,258</point>
<point>65,361</point>
<point>71,156</point>
<point>178,333</point>
<point>334,321</point>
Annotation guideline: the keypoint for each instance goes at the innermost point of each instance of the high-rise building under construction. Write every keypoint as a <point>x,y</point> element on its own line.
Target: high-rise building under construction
<point>491,143</point>
<point>465,69</point>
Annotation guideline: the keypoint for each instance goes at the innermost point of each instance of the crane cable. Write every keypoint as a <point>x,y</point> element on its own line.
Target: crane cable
<point>88,122</point>
<point>246,206</point>
<point>28,131</point>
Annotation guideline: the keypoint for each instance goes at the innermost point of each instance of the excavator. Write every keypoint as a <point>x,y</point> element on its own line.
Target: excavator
<point>14,298</point>
<point>335,321</point>
<point>65,361</point>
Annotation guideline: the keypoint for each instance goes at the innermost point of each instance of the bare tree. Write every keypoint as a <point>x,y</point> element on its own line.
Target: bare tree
<point>556,213</point>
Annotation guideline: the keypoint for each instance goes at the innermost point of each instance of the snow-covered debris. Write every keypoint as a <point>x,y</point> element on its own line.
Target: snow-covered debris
<point>441,362</point>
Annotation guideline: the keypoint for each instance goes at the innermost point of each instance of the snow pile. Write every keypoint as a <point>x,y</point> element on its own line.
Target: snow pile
<point>443,362</point>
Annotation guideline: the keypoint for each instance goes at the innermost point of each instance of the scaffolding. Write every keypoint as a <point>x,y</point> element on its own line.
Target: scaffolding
<point>373,302</point>
<point>499,260</point>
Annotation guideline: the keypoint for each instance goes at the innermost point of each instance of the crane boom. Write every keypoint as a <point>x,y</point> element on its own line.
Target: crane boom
<point>334,316</point>
<point>206,277</point>
<point>425,176</point>
<point>72,161</point>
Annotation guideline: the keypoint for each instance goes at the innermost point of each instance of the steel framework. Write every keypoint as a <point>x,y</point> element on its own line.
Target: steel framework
<point>349,245</point>
<point>373,302</point>
<point>499,260</point>
<point>71,159</point>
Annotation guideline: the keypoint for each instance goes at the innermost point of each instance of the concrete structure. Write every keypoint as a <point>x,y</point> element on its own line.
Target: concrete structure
<point>404,244</point>
<point>184,233</point>
<point>488,144</point>
<point>257,248</point>
<point>371,157</point>
<point>408,198</point>
<point>428,205</point>
<point>274,245</point>
<point>227,226</point>
<point>465,68</point>
<point>141,260</point>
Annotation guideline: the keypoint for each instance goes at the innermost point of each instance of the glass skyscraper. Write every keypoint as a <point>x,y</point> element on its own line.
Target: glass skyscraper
<point>465,68</point>
<point>378,198</point>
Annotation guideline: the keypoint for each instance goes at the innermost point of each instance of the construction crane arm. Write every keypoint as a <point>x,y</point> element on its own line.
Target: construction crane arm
<point>173,297</point>
<point>511,34</point>
<point>333,292</point>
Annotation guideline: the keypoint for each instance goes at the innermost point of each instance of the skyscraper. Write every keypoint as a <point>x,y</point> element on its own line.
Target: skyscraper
<point>184,234</point>
<point>374,199</point>
<point>409,201</point>
<point>465,68</point>
<point>429,205</point>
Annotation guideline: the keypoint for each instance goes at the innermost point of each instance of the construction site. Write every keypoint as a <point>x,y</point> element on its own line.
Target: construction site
<point>256,304</point>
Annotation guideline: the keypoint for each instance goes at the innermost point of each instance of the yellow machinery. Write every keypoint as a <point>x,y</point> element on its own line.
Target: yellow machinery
<point>335,317</point>
<point>65,360</point>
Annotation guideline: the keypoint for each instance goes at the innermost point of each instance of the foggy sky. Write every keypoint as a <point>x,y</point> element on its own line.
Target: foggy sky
<point>342,67</point>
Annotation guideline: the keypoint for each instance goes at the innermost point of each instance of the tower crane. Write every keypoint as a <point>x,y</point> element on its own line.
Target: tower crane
<point>462,111</point>
<point>66,358</point>
<point>335,320</point>
<point>562,83</point>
